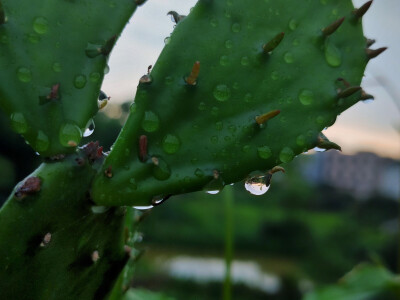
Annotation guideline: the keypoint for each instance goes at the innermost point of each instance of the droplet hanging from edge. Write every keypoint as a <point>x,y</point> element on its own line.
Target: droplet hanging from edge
<point>215,186</point>
<point>89,128</point>
<point>257,186</point>
<point>143,207</point>
<point>333,56</point>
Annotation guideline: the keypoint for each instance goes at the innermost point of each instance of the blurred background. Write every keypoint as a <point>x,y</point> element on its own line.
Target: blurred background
<point>329,212</point>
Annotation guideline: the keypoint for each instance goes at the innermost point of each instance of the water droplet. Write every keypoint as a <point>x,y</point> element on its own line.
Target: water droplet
<point>228,44</point>
<point>219,125</point>
<point>222,92</point>
<point>18,123</point>
<point>236,27</point>
<point>215,111</point>
<point>57,67</point>
<point>257,185</point>
<point>286,155</point>
<point>89,128</point>
<point>246,148</point>
<point>250,25</point>
<point>171,144</point>
<point>132,183</point>
<point>235,85</point>
<point>167,40</point>
<point>288,57</point>
<point>248,97</point>
<point>33,38</point>
<point>333,56</point>
<point>224,60</point>
<point>301,140</point>
<point>214,186</point>
<point>214,139</point>
<point>70,135</point>
<point>106,69</point>
<point>24,74</point>
<point>264,152</point>
<point>168,80</point>
<point>94,76</point>
<point>293,24</point>
<point>306,97</point>
<point>80,81</point>
<point>214,22</point>
<point>150,121</point>
<point>161,170</point>
<point>317,149</point>
<point>245,61</point>
<point>143,207</point>
<point>320,120</point>
<point>368,101</point>
<point>202,106</point>
<point>296,42</point>
<point>99,209</point>
<point>199,173</point>
<point>40,25</point>
<point>275,75</point>
<point>42,142</point>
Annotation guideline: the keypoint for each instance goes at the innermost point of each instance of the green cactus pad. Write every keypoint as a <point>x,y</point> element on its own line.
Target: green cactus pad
<point>188,132</point>
<point>55,243</point>
<point>52,61</point>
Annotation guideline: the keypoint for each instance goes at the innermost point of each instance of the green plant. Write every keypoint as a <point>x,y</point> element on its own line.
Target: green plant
<point>252,93</point>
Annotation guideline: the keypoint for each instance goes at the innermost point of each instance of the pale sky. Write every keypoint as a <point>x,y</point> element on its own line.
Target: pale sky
<point>371,127</point>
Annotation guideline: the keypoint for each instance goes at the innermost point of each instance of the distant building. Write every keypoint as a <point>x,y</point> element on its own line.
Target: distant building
<point>363,174</point>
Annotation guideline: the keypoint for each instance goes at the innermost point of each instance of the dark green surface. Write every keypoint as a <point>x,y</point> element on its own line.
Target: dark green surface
<point>48,39</point>
<point>227,38</point>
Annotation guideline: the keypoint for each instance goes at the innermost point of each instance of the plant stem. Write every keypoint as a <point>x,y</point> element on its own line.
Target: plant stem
<point>229,230</point>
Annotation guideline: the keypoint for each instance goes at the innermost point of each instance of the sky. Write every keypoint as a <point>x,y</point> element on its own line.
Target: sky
<point>373,127</point>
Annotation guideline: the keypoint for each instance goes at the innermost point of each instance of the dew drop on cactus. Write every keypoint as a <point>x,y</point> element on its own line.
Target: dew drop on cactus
<point>228,44</point>
<point>18,123</point>
<point>222,92</point>
<point>224,60</point>
<point>24,74</point>
<point>215,185</point>
<point>333,55</point>
<point>57,67</point>
<point>70,135</point>
<point>286,155</point>
<point>288,57</point>
<point>80,81</point>
<point>171,144</point>
<point>40,25</point>
<point>245,61</point>
<point>42,141</point>
<point>94,76</point>
<point>236,27</point>
<point>99,209</point>
<point>264,152</point>
<point>306,97</point>
<point>161,170</point>
<point>150,122</point>
<point>257,185</point>
<point>89,128</point>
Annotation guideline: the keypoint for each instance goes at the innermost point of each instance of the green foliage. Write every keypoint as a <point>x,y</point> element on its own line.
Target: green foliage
<point>365,282</point>
<point>229,96</point>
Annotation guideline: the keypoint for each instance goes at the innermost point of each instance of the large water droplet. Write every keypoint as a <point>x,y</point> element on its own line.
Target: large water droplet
<point>286,155</point>
<point>80,81</point>
<point>70,135</point>
<point>18,123</point>
<point>40,25</point>
<point>42,142</point>
<point>264,152</point>
<point>150,122</point>
<point>333,56</point>
<point>171,144</point>
<point>222,92</point>
<point>89,128</point>
<point>306,97</point>
<point>257,185</point>
<point>24,74</point>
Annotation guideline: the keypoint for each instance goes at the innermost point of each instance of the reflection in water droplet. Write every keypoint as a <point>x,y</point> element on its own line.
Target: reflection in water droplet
<point>306,97</point>
<point>24,74</point>
<point>18,123</point>
<point>333,56</point>
<point>257,185</point>
<point>222,92</point>
<point>286,155</point>
<point>42,142</point>
<point>150,121</point>
<point>40,25</point>
<point>143,207</point>
<point>70,135</point>
<point>89,128</point>
<point>80,81</point>
<point>171,144</point>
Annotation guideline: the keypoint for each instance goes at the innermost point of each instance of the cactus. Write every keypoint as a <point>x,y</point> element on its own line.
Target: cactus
<point>252,93</point>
